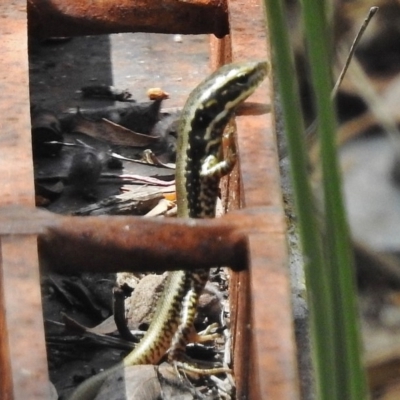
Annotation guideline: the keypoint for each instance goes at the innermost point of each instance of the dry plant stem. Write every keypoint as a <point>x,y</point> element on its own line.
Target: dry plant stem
<point>372,12</point>
<point>311,130</point>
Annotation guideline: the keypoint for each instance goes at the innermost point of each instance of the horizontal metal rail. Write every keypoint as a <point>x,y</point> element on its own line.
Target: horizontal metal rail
<point>84,17</point>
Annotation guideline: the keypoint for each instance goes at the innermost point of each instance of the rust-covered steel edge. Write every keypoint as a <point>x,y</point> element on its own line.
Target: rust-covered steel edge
<point>126,243</point>
<point>23,363</point>
<point>265,364</point>
<point>84,17</point>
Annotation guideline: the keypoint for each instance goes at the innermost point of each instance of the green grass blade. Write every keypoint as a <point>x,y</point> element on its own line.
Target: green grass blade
<point>320,298</point>
<point>329,268</point>
<point>351,375</point>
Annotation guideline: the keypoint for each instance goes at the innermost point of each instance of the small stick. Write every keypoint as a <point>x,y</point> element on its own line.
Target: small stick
<point>372,12</point>
<point>313,126</point>
<point>119,315</point>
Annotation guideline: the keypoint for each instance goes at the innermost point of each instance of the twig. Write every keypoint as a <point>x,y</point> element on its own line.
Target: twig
<point>372,12</point>
<point>310,131</point>
<point>119,315</point>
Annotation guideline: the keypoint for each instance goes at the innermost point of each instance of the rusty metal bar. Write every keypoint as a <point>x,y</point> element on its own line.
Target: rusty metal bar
<point>264,347</point>
<point>23,362</point>
<point>84,17</point>
<point>126,243</point>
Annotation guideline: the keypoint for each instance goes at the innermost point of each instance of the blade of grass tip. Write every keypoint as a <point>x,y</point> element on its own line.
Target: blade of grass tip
<point>320,306</point>
<point>351,375</point>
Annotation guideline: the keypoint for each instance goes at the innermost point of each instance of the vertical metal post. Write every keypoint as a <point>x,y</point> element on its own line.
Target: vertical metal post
<point>23,362</point>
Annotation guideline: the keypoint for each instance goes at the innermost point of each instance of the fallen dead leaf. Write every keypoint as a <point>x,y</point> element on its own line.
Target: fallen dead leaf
<point>112,132</point>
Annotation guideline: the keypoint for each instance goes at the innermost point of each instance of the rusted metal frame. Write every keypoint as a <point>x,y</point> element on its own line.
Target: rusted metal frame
<point>23,362</point>
<point>271,371</point>
<point>126,243</point>
<point>264,347</point>
<point>84,17</point>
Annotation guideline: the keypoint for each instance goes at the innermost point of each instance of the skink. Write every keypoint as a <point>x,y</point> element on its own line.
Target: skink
<point>199,168</point>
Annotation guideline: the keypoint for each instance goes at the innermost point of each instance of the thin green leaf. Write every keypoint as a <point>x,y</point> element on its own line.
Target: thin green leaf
<point>350,373</point>
<point>329,269</point>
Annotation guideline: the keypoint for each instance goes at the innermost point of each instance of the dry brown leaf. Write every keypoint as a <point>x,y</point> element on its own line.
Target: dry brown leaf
<point>112,133</point>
